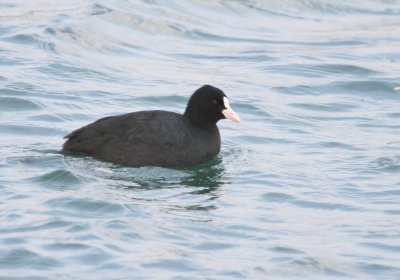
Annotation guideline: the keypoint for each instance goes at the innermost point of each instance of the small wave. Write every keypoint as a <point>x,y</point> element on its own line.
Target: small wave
<point>28,39</point>
<point>8,104</point>
<point>339,145</point>
<point>372,89</point>
<point>15,258</point>
<point>277,197</point>
<point>286,250</point>
<point>321,70</point>
<point>376,90</point>
<point>317,8</point>
<point>59,179</point>
<point>386,164</point>
<point>86,207</point>
<point>28,130</point>
<point>324,205</point>
<point>328,107</point>
<point>98,9</point>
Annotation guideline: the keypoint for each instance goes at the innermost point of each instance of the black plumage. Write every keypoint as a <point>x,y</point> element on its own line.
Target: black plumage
<point>157,138</point>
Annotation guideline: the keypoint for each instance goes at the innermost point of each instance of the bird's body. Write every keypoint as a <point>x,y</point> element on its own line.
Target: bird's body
<point>146,138</point>
<point>157,138</point>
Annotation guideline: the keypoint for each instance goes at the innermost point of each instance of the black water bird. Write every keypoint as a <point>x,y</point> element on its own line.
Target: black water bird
<point>157,138</point>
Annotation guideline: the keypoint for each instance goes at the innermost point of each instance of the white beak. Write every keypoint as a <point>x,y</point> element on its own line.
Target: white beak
<point>229,113</point>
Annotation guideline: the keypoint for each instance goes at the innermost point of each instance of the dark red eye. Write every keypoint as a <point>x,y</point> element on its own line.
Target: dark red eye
<point>214,102</point>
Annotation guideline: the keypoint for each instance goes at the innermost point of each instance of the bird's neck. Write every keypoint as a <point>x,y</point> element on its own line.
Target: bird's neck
<point>199,119</point>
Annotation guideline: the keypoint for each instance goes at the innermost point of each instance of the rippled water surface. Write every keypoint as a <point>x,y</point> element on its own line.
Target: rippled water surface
<point>306,187</point>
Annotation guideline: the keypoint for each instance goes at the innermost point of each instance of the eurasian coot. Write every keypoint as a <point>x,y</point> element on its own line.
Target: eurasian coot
<point>157,138</point>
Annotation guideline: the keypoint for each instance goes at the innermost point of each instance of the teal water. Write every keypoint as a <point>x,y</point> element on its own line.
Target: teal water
<point>306,187</point>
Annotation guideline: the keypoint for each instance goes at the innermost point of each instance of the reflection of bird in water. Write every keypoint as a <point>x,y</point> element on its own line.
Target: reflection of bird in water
<point>209,176</point>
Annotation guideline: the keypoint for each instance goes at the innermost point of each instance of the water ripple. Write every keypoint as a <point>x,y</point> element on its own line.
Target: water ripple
<point>85,208</point>
<point>17,104</point>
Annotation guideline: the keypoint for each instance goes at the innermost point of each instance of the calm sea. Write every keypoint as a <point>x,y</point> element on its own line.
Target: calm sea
<point>306,187</point>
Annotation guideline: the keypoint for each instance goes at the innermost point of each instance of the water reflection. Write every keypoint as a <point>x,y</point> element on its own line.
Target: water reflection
<point>189,188</point>
<point>209,176</point>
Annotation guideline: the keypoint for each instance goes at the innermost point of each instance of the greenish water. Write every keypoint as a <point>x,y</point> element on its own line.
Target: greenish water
<point>306,187</point>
